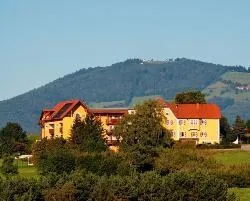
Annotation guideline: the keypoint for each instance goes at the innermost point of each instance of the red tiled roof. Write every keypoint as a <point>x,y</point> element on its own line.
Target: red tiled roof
<point>61,110</point>
<point>193,111</point>
<point>108,110</point>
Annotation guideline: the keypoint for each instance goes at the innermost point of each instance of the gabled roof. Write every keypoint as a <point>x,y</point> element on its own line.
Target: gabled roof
<point>109,110</point>
<point>195,111</point>
<point>61,110</point>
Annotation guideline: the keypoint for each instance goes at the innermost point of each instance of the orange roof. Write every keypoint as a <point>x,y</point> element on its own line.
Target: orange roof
<point>61,110</point>
<point>109,110</point>
<point>195,111</point>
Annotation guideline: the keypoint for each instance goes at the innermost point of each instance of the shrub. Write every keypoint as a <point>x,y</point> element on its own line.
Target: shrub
<point>107,163</point>
<point>219,146</point>
<point>19,189</point>
<point>185,144</point>
<point>44,147</point>
<point>66,192</point>
<point>151,186</point>
<point>58,162</point>
<point>234,175</point>
<point>8,166</point>
<point>184,160</point>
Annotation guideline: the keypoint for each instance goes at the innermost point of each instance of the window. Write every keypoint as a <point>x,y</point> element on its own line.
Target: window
<point>203,122</point>
<point>193,121</point>
<point>167,122</point>
<point>180,122</point>
<point>61,128</point>
<point>77,116</point>
<point>194,134</point>
<point>203,134</point>
<point>183,134</point>
<point>171,122</point>
<point>172,133</point>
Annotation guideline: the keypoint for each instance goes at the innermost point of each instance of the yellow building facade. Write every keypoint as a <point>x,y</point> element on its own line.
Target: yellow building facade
<point>57,122</point>
<point>198,126</point>
<point>198,122</point>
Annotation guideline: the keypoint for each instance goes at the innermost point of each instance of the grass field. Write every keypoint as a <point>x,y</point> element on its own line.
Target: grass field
<point>233,157</point>
<point>242,193</point>
<point>25,170</point>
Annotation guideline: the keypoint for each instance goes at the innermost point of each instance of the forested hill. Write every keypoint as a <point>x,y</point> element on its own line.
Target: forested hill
<point>118,82</point>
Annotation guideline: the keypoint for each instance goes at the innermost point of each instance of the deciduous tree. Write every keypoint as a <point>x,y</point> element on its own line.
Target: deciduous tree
<point>190,97</point>
<point>141,133</point>
<point>10,136</point>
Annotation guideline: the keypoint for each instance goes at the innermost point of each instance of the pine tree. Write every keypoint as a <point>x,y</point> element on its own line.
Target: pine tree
<point>239,128</point>
<point>87,134</point>
<point>76,131</point>
<point>227,133</point>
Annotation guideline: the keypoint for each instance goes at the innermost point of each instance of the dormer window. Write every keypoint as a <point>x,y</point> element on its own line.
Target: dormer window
<point>77,116</point>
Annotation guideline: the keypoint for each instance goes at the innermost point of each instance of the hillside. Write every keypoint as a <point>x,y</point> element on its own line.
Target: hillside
<point>119,82</point>
<point>232,93</point>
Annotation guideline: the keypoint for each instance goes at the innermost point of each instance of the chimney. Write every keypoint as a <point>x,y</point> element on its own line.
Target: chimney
<point>197,106</point>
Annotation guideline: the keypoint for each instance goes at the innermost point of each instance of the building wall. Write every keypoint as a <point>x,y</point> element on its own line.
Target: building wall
<point>171,123</point>
<point>62,128</point>
<point>203,130</point>
<point>55,125</point>
<point>69,121</point>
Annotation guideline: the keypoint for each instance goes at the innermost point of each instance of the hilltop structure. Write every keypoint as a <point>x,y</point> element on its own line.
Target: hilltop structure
<point>197,122</point>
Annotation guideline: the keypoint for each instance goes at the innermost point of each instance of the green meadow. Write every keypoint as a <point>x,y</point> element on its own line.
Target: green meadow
<point>235,157</point>
<point>24,169</point>
<point>232,157</point>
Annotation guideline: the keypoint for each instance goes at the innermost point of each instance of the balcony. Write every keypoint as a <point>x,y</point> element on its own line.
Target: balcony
<point>113,121</point>
<point>112,141</point>
<point>109,132</point>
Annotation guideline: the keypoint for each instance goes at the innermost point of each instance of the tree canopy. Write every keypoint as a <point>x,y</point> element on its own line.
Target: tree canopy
<point>190,97</point>
<point>144,127</point>
<point>86,134</point>
<point>227,133</point>
<point>142,133</point>
<point>12,139</point>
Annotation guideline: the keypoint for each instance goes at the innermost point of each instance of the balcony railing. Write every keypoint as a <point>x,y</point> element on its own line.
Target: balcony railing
<point>112,141</point>
<point>111,121</point>
<point>109,132</point>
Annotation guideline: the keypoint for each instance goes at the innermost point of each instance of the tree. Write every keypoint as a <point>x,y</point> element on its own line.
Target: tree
<point>225,130</point>
<point>144,127</point>
<point>87,134</point>
<point>76,131</point>
<point>8,166</point>
<point>239,128</point>
<point>12,137</point>
<point>141,133</point>
<point>53,155</point>
<point>190,97</point>
<point>248,124</point>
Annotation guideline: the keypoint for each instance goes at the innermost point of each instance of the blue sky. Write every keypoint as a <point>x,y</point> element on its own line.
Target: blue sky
<point>44,40</point>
